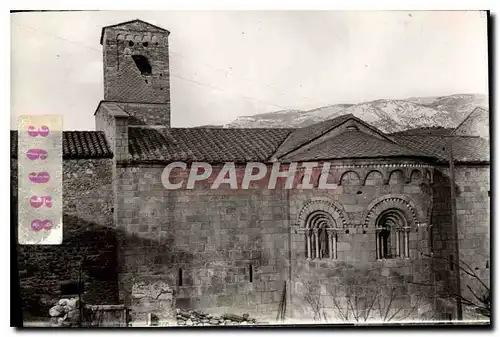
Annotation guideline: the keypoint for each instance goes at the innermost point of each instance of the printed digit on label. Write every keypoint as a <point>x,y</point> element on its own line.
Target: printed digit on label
<point>37,202</point>
<point>41,131</point>
<point>34,154</point>
<point>40,177</point>
<point>39,224</point>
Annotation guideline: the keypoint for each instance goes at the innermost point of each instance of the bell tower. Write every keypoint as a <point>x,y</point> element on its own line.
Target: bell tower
<point>136,71</point>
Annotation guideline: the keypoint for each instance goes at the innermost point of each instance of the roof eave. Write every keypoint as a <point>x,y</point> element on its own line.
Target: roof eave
<point>127,22</point>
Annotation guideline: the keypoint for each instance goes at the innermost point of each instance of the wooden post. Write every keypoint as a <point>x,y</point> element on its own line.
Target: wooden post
<point>454,229</point>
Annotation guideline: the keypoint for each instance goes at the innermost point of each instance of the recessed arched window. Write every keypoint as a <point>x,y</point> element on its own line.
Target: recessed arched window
<point>142,64</point>
<point>392,235</point>
<point>320,236</point>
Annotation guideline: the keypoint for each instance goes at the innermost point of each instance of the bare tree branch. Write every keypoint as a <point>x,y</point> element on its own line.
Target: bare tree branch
<point>469,272</point>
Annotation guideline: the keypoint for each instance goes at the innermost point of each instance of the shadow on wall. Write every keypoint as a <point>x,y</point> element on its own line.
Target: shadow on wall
<point>442,240</point>
<point>48,273</point>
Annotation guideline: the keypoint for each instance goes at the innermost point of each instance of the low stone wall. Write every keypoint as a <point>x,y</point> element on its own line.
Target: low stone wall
<point>197,318</point>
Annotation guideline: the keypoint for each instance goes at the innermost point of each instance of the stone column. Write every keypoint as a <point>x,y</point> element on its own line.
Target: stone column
<point>382,247</point>
<point>308,242</point>
<point>316,242</point>
<point>334,239</point>
<point>398,237</point>
<point>407,243</point>
<point>330,243</point>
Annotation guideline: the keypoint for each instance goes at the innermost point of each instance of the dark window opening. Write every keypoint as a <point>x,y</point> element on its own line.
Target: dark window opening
<point>384,244</point>
<point>131,43</point>
<point>145,44</point>
<point>488,194</point>
<point>142,64</point>
<point>161,88</point>
<point>180,277</point>
<point>451,263</point>
<point>321,240</point>
<point>359,192</point>
<point>487,264</point>
<point>71,288</point>
<point>392,236</point>
<point>250,272</point>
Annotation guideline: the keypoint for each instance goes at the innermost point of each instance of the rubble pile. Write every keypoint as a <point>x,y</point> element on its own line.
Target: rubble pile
<point>65,312</point>
<point>197,318</point>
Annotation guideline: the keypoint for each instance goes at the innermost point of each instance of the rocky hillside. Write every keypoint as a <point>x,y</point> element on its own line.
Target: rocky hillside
<point>385,114</point>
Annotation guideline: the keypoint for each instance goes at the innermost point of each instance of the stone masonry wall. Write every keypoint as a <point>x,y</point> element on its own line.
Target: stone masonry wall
<point>133,39</point>
<point>147,114</point>
<point>356,270</point>
<point>87,233</point>
<point>472,188</point>
<point>220,250</point>
<point>473,221</point>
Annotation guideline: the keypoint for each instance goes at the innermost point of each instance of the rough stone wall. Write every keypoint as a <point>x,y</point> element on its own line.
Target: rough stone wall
<point>473,214</point>
<point>208,238</point>
<point>106,123</point>
<point>473,221</point>
<point>87,233</point>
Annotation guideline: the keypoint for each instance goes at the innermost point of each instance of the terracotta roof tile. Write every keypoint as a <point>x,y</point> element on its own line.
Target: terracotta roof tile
<point>354,144</point>
<point>465,149</point>
<point>208,144</point>
<point>76,145</point>
<point>301,136</point>
<point>432,131</point>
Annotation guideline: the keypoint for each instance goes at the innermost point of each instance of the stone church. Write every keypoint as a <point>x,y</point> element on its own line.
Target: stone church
<point>386,228</point>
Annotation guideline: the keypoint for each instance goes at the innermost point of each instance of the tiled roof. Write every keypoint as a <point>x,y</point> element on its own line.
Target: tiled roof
<point>432,131</point>
<point>354,144</point>
<point>303,135</point>
<point>204,144</point>
<point>76,145</point>
<point>465,149</point>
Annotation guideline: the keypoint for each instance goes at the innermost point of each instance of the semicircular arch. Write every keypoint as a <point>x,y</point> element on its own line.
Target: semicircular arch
<point>323,206</point>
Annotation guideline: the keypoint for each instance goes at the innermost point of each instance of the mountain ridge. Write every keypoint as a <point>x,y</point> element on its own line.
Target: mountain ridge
<point>389,115</point>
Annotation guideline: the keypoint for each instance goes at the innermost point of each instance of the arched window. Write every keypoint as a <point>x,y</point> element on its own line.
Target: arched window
<point>392,235</point>
<point>320,236</point>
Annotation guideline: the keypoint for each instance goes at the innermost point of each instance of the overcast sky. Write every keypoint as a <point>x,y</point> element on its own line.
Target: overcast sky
<point>229,64</point>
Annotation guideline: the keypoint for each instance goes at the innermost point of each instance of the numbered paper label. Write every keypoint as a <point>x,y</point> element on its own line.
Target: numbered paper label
<point>40,168</point>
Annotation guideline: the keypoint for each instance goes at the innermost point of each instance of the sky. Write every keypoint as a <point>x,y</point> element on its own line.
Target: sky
<point>226,64</point>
